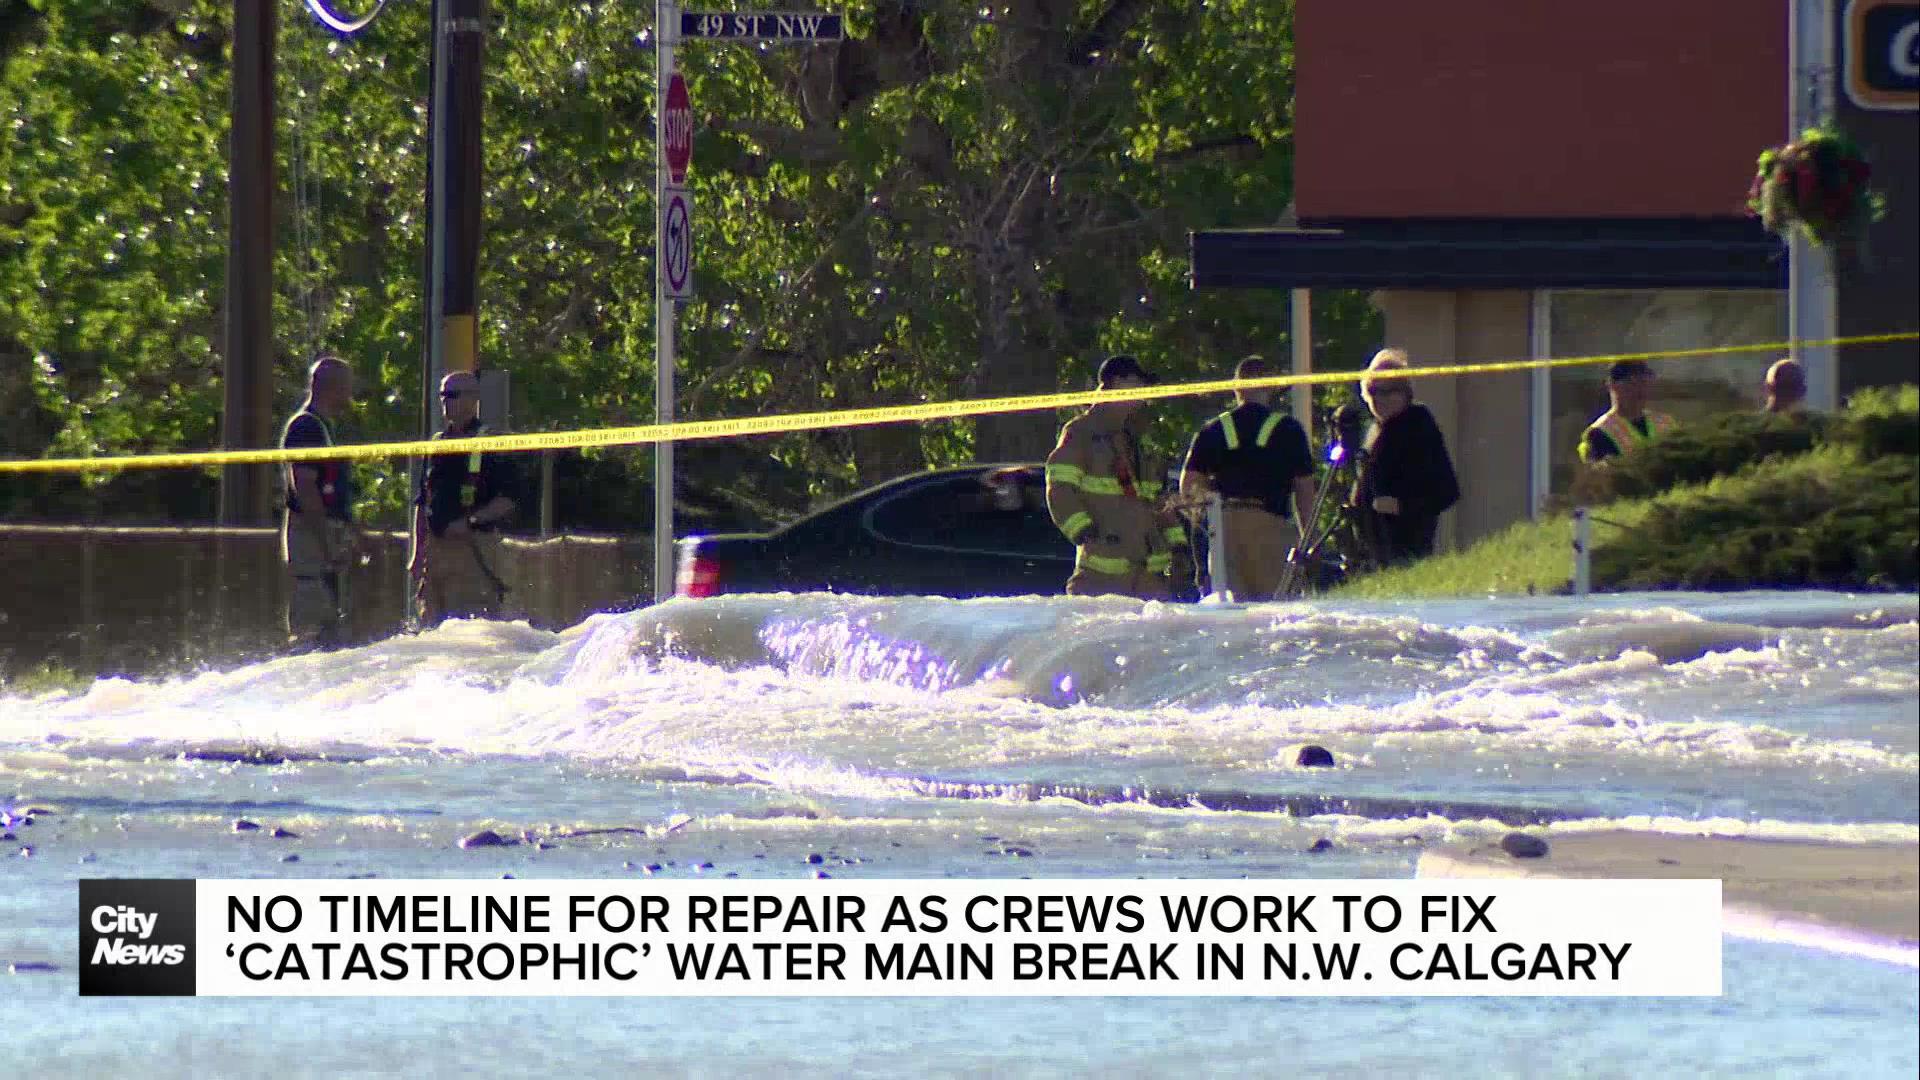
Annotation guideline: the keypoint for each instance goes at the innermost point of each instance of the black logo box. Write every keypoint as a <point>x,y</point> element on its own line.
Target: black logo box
<point>106,902</point>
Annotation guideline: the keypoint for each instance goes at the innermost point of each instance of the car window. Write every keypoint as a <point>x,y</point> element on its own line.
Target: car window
<point>1008,516</point>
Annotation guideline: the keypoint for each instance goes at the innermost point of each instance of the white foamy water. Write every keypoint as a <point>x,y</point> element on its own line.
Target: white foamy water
<point>926,738</point>
<point>1787,708</point>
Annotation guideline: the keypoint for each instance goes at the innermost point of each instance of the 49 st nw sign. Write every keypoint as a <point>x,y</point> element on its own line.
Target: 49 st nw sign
<point>761,25</point>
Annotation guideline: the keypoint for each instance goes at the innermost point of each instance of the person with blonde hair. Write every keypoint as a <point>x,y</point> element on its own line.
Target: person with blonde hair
<point>1406,476</point>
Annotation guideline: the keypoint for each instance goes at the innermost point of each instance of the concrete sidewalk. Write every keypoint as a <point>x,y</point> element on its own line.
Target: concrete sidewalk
<point>1856,899</point>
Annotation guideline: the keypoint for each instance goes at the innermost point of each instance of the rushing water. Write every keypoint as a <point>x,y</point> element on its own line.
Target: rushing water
<point>928,738</point>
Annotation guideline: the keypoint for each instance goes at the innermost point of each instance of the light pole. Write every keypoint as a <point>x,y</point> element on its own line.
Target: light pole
<point>247,406</point>
<point>1811,306</point>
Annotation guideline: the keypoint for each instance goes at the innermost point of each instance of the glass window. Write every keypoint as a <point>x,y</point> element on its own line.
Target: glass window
<point>1006,516</point>
<point>1606,322</point>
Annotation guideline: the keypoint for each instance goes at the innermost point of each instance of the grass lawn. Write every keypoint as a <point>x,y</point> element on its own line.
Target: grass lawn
<point>1531,557</point>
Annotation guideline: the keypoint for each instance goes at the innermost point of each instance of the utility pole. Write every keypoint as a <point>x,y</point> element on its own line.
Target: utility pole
<point>247,414</point>
<point>1812,313</point>
<point>454,104</point>
<point>453,210</point>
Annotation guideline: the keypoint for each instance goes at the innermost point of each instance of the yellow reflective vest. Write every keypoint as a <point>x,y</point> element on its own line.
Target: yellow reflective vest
<point>1624,434</point>
<point>1103,491</point>
<point>469,485</point>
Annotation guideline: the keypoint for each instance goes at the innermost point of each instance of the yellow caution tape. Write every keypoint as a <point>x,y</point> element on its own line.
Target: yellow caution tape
<point>689,430</point>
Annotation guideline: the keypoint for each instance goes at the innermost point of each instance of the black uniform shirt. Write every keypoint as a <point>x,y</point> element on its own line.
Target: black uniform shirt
<point>335,481</point>
<point>1253,472</point>
<point>450,491</point>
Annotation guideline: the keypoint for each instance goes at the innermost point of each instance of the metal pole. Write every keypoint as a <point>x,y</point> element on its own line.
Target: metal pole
<point>1302,332</point>
<point>436,222</point>
<point>547,493</point>
<point>666,32</point>
<point>1217,547</point>
<point>247,420</point>
<point>459,39</point>
<point>461,191</point>
<point>1540,394</point>
<point>1811,314</point>
<point>453,205</point>
<point>1582,552</point>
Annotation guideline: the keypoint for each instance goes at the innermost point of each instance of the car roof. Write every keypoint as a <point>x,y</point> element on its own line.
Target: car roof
<point>909,480</point>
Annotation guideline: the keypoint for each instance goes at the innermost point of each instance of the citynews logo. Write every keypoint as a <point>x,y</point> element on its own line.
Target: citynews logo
<point>136,938</point>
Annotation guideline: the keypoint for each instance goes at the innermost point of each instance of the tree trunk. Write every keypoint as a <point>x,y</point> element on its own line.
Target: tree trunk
<point>884,451</point>
<point>1010,365</point>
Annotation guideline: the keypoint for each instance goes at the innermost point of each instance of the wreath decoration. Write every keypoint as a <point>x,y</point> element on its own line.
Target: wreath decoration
<point>1818,184</point>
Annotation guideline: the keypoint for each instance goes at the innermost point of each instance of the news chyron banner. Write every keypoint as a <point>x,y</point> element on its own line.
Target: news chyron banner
<point>1419,938</point>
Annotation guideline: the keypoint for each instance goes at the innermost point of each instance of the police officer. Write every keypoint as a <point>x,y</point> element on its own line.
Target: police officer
<point>1628,425</point>
<point>1103,492</point>
<point>463,499</point>
<point>318,539</point>
<point>1253,458</point>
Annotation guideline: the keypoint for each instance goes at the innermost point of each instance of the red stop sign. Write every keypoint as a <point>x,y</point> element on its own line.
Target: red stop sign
<point>679,123</point>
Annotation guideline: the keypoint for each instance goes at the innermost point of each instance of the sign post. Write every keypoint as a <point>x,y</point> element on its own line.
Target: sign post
<point>673,209</point>
<point>673,137</point>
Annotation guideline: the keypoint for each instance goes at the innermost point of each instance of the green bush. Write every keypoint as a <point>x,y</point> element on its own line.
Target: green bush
<point>1875,423</point>
<point>1880,423</point>
<point>1820,520</point>
<point>1698,453</point>
<point>1743,501</point>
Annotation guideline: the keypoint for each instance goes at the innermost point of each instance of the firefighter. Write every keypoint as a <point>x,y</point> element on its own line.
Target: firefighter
<point>1103,492</point>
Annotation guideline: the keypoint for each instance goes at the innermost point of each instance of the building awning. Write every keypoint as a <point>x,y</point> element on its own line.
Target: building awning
<point>1691,253</point>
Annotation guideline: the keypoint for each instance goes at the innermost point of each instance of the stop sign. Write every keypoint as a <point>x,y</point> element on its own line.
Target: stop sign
<point>679,123</point>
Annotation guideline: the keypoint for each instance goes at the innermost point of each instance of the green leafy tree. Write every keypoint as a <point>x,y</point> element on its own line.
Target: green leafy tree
<point>957,200</point>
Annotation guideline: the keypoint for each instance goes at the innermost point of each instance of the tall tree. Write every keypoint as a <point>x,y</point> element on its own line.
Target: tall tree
<point>957,200</point>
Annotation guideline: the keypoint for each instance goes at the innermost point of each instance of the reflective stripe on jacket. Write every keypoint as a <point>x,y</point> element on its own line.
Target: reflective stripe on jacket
<point>1624,435</point>
<point>1103,492</point>
<point>469,484</point>
<point>1232,434</point>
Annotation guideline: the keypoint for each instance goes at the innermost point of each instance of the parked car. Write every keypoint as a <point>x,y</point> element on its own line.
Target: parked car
<point>978,530</point>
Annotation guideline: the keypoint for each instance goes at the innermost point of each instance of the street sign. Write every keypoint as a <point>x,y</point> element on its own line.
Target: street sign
<point>673,144</point>
<point>676,244</point>
<point>679,120</point>
<point>801,26</point>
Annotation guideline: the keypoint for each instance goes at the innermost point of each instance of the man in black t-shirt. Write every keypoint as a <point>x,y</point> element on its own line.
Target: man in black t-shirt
<point>463,499</point>
<point>318,540</point>
<point>1254,458</point>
